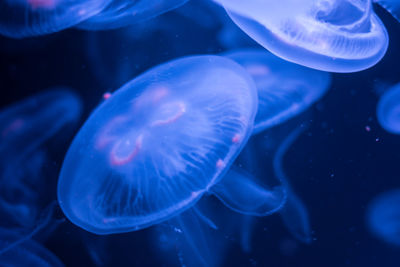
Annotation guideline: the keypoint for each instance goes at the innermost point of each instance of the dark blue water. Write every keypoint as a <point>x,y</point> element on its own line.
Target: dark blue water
<point>337,166</point>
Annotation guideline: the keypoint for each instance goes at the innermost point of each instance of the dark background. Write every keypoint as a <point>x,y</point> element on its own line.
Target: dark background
<point>336,167</point>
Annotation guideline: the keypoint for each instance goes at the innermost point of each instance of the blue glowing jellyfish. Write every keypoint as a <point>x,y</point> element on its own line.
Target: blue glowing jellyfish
<point>392,6</point>
<point>383,216</point>
<point>294,214</point>
<point>157,144</point>
<point>121,13</point>
<point>284,89</point>
<point>332,35</point>
<point>25,129</point>
<point>27,253</point>
<point>388,110</point>
<point>25,18</point>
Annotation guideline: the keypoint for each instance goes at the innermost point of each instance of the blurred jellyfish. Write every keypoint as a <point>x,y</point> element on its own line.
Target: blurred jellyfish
<point>392,6</point>
<point>121,13</point>
<point>26,128</point>
<point>28,253</point>
<point>157,144</point>
<point>335,35</point>
<point>383,216</point>
<point>284,89</point>
<point>294,213</point>
<point>113,61</point>
<point>25,18</point>
<point>388,110</point>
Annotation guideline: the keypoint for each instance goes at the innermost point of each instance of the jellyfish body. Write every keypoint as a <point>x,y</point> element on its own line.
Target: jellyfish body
<point>329,35</point>
<point>284,89</point>
<point>25,18</point>
<point>392,6</point>
<point>383,216</point>
<point>157,144</point>
<point>388,110</point>
<point>25,127</point>
<point>121,13</point>
<point>28,253</point>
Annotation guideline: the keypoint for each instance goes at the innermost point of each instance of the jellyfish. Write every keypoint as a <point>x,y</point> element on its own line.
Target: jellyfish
<point>26,18</point>
<point>121,13</point>
<point>328,35</point>
<point>28,253</point>
<point>383,216</point>
<point>392,6</point>
<point>27,130</point>
<point>284,89</point>
<point>153,148</point>
<point>388,110</point>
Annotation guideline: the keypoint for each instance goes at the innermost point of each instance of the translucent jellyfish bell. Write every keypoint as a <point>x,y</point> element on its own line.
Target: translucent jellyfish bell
<point>329,35</point>
<point>157,144</point>
<point>388,110</point>
<point>383,216</point>
<point>392,6</point>
<point>284,89</point>
<point>121,13</point>
<point>24,129</point>
<point>25,18</point>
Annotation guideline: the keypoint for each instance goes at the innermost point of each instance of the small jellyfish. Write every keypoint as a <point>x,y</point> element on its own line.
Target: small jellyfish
<point>121,13</point>
<point>28,253</point>
<point>25,18</point>
<point>383,216</point>
<point>26,130</point>
<point>392,6</point>
<point>156,145</point>
<point>284,89</point>
<point>329,35</point>
<point>388,110</point>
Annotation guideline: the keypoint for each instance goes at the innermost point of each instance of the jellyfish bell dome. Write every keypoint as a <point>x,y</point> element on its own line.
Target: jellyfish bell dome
<point>328,35</point>
<point>388,110</point>
<point>157,144</point>
<point>26,18</point>
<point>284,89</point>
<point>121,13</point>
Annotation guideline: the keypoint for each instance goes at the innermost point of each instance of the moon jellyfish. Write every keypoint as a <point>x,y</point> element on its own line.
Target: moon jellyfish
<point>28,253</point>
<point>284,89</point>
<point>26,128</point>
<point>329,35</point>
<point>392,6</point>
<point>25,18</point>
<point>157,144</point>
<point>294,213</point>
<point>383,216</point>
<point>388,110</point>
<point>121,13</point>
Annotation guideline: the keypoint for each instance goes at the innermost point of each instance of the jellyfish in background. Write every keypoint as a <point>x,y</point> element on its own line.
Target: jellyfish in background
<point>26,129</point>
<point>328,35</point>
<point>388,110</point>
<point>284,89</point>
<point>156,145</point>
<point>28,253</point>
<point>383,216</point>
<point>25,18</point>
<point>121,13</point>
<point>392,6</point>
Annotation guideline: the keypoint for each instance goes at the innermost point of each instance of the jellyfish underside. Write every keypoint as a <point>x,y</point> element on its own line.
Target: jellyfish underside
<point>335,36</point>
<point>388,110</point>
